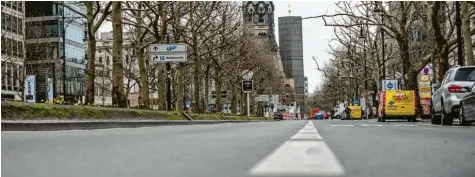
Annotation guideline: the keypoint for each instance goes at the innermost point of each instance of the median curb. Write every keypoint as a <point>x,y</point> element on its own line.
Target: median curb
<point>55,125</point>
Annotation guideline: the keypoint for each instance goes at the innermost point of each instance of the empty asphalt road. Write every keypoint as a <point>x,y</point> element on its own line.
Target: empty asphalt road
<point>286,148</point>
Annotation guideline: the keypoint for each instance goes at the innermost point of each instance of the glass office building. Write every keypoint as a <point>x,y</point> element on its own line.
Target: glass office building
<point>46,47</point>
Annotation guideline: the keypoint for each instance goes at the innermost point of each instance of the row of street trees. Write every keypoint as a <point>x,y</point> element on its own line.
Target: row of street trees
<point>374,40</point>
<point>218,51</point>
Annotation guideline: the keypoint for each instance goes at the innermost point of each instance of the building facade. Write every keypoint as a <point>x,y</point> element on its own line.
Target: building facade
<point>13,50</point>
<point>56,50</point>
<point>291,53</point>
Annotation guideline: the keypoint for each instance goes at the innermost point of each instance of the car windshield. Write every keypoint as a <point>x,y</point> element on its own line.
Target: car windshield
<point>465,74</point>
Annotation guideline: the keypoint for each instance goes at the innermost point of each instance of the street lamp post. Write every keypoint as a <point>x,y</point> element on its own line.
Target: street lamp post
<point>381,13</point>
<point>362,37</point>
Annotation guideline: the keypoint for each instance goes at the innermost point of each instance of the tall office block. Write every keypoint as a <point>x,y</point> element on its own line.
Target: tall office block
<point>13,51</point>
<point>56,34</point>
<point>291,53</point>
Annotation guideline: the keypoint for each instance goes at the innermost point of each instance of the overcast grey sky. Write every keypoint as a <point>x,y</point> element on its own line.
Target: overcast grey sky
<point>315,35</point>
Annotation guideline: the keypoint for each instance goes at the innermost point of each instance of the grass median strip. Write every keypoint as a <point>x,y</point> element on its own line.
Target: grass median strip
<point>38,111</point>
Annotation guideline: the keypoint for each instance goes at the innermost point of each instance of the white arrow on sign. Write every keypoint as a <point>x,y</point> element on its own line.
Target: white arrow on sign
<point>167,48</point>
<point>247,75</point>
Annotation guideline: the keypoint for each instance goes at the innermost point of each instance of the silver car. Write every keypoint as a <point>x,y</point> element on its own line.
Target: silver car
<point>446,98</point>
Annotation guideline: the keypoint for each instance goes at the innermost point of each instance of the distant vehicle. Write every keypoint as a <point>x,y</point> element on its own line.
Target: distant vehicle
<point>326,115</point>
<point>456,85</point>
<point>279,115</point>
<point>467,108</point>
<point>318,115</point>
<point>355,112</point>
<point>397,104</point>
<point>339,111</point>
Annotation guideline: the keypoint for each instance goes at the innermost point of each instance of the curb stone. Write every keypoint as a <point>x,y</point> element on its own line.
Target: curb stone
<point>54,125</point>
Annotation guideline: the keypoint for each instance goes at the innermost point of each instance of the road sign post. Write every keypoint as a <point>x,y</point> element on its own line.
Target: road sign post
<point>168,53</point>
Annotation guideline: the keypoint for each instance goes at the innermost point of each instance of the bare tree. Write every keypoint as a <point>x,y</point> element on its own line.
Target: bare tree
<point>467,38</point>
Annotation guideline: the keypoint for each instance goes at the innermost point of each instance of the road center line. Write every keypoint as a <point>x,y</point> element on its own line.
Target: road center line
<point>304,155</point>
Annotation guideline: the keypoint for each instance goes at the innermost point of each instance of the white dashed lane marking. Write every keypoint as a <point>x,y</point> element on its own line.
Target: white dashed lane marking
<point>342,125</point>
<point>304,155</point>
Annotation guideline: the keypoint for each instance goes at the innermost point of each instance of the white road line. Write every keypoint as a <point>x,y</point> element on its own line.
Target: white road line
<point>308,131</point>
<point>341,125</point>
<point>372,125</point>
<point>301,136</point>
<point>300,158</point>
<point>404,125</point>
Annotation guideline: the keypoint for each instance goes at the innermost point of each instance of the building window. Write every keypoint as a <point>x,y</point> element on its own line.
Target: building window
<point>107,60</point>
<point>100,59</point>
<point>99,51</point>
<point>127,59</point>
<point>14,24</point>
<point>20,26</point>
<point>4,48</point>
<point>9,76</point>
<point>15,48</point>
<point>8,23</point>
<point>9,46</point>
<point>3,19</point>
<point>20,49</point>
<point>14,5</point>
<point>15,77</point>
<point>20,6</point>
<point>4,74</point>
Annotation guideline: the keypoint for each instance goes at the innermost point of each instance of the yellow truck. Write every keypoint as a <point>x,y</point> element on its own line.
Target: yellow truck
<point>397,104</point>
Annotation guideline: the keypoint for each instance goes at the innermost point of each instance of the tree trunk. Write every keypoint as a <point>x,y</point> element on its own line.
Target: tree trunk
<point>144,102</point>
<point>161,67</point>
<point>118,97</point>
<point>243,104</point>
<point>467,38</point>
<point>206,87</point>
<point>233,99</point>
<point>179,101</point>
<point>217,105</point>
<point>91,69</point>
<point>144,90</point>
<point>91,59</point>
<point>443,64</point>
<point>196,83</point>
<point>407,66</point>
<point>161,87</point>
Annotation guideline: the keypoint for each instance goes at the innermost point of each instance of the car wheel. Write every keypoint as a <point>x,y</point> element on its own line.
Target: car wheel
<point>435,119</point>
<point>383,119</point>
<point>463,122</point>
<point>414,119</point>
<point>409,119</point>
<point>446,119</point>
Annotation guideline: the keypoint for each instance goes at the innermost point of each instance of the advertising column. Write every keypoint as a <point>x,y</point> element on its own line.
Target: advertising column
<point>30,88</point>
<point>425,91</point>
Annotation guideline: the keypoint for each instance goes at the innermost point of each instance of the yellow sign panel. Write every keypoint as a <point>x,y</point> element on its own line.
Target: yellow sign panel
<point>424,77</point>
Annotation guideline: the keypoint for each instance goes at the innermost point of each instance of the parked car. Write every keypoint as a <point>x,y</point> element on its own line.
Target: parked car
<point>319,115</point>
<point>467,108</point>
<point>278,115</point>
<point>456,85</point>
